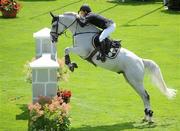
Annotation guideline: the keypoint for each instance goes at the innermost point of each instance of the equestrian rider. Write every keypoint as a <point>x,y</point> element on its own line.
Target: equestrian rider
<point>107,26</point>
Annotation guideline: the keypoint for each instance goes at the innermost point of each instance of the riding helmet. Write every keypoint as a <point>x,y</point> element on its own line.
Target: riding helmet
<point>86,8</point>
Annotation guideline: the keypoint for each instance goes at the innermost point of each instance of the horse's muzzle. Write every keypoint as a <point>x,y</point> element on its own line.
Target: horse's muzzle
<point>54,37</point>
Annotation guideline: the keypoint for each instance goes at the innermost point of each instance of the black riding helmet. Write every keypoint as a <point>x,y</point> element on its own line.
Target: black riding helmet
<point>85,7</point>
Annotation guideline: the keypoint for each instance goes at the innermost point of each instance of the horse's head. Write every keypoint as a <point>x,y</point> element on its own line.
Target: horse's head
<point>60,24</point>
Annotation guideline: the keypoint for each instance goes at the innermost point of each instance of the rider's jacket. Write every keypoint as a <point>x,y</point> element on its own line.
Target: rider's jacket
<point>95,19</point>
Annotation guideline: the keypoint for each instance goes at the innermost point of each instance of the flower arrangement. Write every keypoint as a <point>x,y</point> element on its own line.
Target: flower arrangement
<point>9,8</point>
<point>51,114</point>
<point>9,5</point>
<point>65,94</point>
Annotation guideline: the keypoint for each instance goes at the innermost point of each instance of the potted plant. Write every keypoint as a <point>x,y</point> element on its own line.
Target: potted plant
<point>9,8</point>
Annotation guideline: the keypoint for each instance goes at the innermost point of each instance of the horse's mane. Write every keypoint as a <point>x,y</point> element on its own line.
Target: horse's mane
<point>71,13</point>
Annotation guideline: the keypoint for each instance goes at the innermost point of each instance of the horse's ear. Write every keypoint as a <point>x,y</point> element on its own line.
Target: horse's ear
<point>52,14</point>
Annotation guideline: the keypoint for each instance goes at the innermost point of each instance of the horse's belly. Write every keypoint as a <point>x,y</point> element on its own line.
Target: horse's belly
<point>110,64</point>
<point>124,60</point>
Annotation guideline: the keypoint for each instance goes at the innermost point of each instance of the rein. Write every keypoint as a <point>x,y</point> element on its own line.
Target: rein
<point>75,34</point>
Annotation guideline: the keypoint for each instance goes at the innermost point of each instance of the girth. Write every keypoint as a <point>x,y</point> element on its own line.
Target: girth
<point>89,58</point>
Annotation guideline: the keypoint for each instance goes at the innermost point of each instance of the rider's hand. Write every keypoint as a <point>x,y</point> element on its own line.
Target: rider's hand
<point>77,16</point>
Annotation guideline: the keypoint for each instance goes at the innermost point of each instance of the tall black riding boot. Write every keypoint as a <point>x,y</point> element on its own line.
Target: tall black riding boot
<point>102,55</point>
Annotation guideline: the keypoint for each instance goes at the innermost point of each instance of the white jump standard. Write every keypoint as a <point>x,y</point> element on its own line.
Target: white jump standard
<point>44,68</point>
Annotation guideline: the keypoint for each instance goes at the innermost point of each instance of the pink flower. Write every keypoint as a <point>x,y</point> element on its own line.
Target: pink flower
<point>51,107</point>
<point>40,113</point>
<point>31,107</point>
<point>65,107</point>
<point>37,107</point>
<point>59,99</point>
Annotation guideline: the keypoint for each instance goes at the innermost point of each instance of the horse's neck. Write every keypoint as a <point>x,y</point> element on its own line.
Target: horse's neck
<point>73,28</point>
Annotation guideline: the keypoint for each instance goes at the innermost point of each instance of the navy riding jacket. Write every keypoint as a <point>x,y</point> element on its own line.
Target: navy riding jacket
<point>94,19</point>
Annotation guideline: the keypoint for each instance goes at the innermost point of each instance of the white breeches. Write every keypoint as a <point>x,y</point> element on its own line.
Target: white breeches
<point>106,32</point>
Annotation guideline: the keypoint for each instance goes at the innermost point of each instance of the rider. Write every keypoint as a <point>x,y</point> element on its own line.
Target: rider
<point>107,26</point>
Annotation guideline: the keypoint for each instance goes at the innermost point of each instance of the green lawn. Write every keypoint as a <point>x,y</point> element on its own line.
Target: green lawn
<point>102,100</point>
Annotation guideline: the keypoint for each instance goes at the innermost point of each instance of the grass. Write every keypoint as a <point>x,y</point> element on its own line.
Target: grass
<point>102,100</point>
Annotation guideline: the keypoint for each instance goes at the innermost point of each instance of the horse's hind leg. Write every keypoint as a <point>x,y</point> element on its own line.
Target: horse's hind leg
<point>136,81</point>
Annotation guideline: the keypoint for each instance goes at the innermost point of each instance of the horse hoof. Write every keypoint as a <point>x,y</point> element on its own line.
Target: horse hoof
<point>71,69</point>
<point>150,122</point>
<point>74,65</point>
<point>144,120</point>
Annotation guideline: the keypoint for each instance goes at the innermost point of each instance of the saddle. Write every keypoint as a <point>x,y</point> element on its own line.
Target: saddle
<point>111,46</point>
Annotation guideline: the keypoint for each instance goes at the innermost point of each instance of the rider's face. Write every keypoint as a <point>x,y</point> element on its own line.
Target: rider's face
<point>82,13</point>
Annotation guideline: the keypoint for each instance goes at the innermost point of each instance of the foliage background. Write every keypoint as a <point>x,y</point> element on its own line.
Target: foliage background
<point>102,100</point>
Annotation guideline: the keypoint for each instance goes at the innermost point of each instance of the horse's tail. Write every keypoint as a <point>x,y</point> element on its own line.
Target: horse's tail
<point>157,78</point>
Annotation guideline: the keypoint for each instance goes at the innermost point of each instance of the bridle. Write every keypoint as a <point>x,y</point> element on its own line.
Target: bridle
<point>65,27</point>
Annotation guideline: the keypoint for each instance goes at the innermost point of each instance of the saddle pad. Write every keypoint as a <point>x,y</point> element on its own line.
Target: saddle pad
<point>112,48</point>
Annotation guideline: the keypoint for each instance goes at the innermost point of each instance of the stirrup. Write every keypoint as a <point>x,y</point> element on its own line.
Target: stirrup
<point>103,59</point>
<point>98,56</point>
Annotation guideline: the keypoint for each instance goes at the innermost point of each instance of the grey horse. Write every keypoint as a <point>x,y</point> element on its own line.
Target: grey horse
<point>126,62</point>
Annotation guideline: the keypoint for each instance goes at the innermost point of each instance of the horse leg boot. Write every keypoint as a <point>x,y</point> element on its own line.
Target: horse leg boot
<point>69,64</point>
<point>102,55</point>
<point>148,116</point>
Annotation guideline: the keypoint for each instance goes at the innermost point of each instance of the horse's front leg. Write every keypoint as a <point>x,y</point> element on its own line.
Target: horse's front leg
<point>68,62</point>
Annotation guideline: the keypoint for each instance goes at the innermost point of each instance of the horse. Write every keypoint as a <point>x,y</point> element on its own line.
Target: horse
<point>126,62</point>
